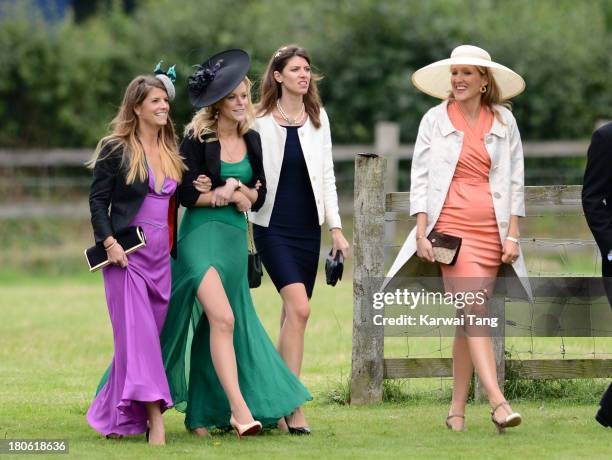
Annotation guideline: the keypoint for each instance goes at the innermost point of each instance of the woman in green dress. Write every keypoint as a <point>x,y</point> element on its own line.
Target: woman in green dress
<point>222,367</point>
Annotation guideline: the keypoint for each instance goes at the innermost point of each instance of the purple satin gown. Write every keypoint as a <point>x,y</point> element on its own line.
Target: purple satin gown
<point>137,299</point>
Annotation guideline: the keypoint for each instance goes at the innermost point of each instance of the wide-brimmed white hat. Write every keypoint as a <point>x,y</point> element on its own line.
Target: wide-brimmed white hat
<point>434,79</point>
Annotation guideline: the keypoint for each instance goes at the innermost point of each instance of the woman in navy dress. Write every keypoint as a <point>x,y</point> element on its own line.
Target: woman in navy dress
<point>294,229</point>
<point>298,165</point>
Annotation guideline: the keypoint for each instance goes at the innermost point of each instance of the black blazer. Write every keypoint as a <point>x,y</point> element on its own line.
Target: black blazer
<point>205,158</point>
<point>109,189</point>
<point>597,188</point>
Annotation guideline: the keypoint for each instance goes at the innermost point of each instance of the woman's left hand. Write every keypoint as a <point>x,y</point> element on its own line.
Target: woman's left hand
<point>202,184</point>
<point>223,195</point>
<point>510,252</point>
<point>339,242</point>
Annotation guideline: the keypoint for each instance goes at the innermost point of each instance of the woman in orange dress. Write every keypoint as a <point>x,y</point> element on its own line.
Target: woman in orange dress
<point>467,181</point>
<point>468,209</point>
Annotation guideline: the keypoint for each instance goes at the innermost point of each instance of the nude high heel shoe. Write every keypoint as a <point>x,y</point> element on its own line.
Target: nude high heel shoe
<point>247,429</point>
<point>451,416</point>
<point>511,420</point>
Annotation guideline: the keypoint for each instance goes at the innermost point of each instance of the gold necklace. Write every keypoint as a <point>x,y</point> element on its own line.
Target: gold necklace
<point>230,149</point>
<point>291,121</point>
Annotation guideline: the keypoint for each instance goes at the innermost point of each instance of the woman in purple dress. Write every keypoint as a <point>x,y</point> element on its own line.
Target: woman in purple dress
<point>136,169</point>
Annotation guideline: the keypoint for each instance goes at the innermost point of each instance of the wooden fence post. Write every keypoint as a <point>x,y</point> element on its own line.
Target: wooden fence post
<point>497,307</point>
<point>368,272</point>
<point>387,145</point>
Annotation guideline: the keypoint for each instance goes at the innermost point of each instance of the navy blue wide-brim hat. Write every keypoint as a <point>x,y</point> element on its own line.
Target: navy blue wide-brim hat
<point>217,77</point>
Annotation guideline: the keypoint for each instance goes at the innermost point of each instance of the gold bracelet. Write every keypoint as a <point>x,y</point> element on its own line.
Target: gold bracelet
<point>419,237</point>
<point>513,239</point>
<point>108,248</point>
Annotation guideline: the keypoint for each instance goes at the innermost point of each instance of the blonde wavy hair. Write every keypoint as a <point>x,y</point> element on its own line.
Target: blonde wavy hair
<point>205,122</point>
<point>123,134</point>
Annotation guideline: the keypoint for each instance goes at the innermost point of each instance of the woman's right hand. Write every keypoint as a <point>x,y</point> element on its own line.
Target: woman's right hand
<point>117,256</point>
<point>425,250</point>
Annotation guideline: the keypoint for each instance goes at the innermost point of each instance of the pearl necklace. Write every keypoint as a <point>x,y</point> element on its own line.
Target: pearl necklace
<point>291,121</point>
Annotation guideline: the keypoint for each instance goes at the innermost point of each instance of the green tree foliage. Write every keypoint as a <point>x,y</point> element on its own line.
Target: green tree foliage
<point>60,84</point>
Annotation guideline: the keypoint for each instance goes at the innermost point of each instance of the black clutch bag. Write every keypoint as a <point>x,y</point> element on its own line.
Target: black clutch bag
<point>255,268</point>
<point>130,239</point>
<point>334,268</point>
<point>445,247</point>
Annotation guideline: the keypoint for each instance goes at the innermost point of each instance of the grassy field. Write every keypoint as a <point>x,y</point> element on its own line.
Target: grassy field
<point>55,341</point>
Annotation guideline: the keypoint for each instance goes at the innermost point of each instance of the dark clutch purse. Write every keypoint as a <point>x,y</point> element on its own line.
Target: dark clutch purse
<point>445,247</point>
<point>254,265</point>
<point>334,268</point>
<point>130,239</point>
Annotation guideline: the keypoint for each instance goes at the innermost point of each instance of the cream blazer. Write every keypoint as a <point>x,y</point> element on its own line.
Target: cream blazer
<point>317,147</point>
<point>435,157</point>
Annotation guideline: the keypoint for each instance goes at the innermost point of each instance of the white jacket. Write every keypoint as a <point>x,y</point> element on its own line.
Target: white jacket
<point>435,157</point>
<point>317,147</point>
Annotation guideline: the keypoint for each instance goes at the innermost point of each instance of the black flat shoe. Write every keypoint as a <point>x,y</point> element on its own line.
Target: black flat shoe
<point>297,430</point>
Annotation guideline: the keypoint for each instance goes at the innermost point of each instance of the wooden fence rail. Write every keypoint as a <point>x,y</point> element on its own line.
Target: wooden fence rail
<point>369,366</point>
<point>16,158</point>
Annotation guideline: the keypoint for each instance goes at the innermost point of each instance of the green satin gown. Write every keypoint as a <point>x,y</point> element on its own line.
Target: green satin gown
<point>217,238</point>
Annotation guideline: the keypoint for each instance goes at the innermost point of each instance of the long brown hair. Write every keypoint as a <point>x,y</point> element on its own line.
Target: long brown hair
<point>270,90</point>
<point>492,96</point>
<point>204,121</point>
<point>123,134</point>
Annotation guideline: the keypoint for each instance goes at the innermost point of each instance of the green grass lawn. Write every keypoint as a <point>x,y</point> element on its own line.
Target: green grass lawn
<point>55,341</point>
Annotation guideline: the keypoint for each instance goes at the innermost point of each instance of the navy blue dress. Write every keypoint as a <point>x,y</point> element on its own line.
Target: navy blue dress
<point>291,243</point>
